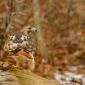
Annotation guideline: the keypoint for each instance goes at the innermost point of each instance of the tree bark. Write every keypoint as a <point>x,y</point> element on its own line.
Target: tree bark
<point>37,23</point>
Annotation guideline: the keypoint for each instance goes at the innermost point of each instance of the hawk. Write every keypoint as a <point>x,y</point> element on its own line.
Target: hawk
<point>22,46</point>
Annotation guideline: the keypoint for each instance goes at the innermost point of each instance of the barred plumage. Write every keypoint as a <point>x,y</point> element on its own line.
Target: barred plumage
<point>20,40</point>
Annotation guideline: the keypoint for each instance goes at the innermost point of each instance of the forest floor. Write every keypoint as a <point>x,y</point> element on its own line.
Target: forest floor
<point>20,77</point>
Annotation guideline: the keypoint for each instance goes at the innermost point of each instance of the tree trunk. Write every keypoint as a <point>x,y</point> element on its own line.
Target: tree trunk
<point>37,23</point>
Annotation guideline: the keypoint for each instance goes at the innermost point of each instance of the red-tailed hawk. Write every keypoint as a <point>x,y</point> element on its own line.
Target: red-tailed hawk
<point>19,43</point>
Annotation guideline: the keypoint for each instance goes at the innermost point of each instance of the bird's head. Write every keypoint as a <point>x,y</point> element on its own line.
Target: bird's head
<point>31,29</point>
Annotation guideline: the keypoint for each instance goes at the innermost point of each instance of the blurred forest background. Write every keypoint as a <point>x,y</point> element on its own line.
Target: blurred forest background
<point>61,29</point>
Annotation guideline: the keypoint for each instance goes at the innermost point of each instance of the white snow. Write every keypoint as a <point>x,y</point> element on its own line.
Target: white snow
<point>69,78</point>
